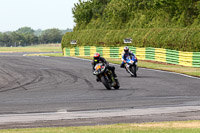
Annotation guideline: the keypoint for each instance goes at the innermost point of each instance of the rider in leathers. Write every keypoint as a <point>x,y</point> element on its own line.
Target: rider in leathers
<point>125,54</point>
<point>98,59</point>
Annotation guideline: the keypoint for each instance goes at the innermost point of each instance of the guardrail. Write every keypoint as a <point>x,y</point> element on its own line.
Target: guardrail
<point>155,54</point>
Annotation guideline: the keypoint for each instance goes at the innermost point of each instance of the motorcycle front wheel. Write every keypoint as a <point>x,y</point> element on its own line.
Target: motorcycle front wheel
<point>133,70</point>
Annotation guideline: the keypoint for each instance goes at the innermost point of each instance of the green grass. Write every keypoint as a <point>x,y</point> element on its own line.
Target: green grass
<point>49,54</point>
<point>173,68</point>
<point>145,64</point>
<point>163,127</point>
<point>36,48</point>
<point>160,66</point>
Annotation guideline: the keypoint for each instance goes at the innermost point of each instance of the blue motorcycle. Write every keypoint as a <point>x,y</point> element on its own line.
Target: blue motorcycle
<point>131,65</point>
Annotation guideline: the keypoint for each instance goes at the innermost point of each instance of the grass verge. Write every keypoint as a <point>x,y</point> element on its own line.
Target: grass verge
<point>35,48</point>
<point>164,127</point>
<point>160,66</point>
<point>146,64</point>
<point>49,54</point>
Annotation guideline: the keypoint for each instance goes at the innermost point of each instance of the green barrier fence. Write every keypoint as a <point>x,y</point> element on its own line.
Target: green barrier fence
<point>156,54</point>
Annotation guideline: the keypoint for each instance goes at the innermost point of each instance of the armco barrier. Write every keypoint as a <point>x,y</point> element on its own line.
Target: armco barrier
<point>155,54</point>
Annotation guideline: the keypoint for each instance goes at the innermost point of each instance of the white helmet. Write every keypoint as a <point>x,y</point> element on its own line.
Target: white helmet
<point>126,49</point>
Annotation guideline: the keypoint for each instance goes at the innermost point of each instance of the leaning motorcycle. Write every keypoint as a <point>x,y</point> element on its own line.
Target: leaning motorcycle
<point>131,66</point>
<point>106,76</point>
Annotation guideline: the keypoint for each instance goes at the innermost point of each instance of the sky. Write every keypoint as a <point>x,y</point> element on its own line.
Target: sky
<point>37,14</point>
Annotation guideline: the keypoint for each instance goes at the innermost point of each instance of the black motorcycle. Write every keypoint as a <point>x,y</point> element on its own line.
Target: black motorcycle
<point>106,76</point>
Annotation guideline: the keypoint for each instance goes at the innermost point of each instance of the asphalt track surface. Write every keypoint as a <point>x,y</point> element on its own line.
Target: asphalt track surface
<point>43,87</point>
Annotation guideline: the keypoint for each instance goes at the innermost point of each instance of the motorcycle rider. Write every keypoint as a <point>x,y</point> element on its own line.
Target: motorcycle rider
<point>98,59</point>
<point>125,54</point>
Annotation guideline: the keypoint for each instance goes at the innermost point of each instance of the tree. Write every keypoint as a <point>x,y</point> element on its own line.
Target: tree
<point>26,36</point>
<point>25,30</point>
<point>51,36</point>
<point>82,12</point>
<point>116,14</point>
<point>38,32</point>
<point>16,38</point>
<point>98,7</point>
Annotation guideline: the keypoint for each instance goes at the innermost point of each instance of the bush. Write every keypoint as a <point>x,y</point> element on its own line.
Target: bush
<point>181,39</point>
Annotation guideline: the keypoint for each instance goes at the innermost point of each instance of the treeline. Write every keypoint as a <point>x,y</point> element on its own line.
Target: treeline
<point>123,14</point>
<point>26,36</point>
<point>171,24</point>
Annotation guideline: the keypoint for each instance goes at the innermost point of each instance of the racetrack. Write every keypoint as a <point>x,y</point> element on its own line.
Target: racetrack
<point>30,85</point>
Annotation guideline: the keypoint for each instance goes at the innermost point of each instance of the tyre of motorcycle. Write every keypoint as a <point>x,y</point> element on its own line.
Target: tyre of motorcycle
<point>130,70</point>
<point>105,82</point>
<point>126,68</point>
<point>133,69</point>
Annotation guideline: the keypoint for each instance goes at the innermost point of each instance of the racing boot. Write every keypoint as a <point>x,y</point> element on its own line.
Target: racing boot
<point>97,79</point>
<point>114,75</point>
<point>122,65</point>
<point>113,81</point>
